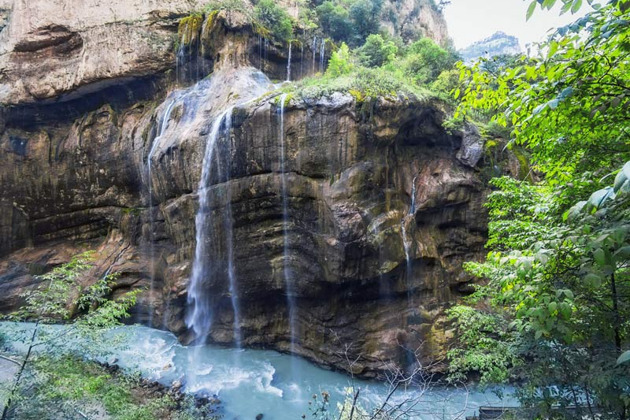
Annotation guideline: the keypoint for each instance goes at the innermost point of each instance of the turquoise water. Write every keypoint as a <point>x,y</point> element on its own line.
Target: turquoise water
<point>251,382</point>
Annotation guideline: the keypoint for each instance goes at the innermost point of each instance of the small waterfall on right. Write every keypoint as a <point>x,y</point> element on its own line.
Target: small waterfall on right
<point>314,49</point>
<point>322,55</point>
<point>289,64</point>
<point>407,241</point>
<point>288,277</point>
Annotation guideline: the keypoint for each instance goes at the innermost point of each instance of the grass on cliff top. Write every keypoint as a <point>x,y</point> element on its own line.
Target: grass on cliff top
<point>363,83</point>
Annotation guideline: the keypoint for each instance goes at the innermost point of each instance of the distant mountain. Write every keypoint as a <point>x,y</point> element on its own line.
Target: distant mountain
<point>497,44</point>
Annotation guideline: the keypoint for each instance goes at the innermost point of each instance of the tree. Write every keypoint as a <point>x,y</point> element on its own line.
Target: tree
<point>61,297</point>
<point>335,20</point>
<point>376,51</point>
<point>559,271</point>
<point>340,62</point>
<point>275,19</point>
<point>425,60</point>
<point>365,16</point>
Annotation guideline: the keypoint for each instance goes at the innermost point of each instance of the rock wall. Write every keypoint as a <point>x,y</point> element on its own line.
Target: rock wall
<point>382,205</point>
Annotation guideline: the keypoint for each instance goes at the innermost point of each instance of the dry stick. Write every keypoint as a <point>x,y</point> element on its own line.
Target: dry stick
<point>377,412</point>
<point>10,360</point>
<point>354,402</point>
<point>5,412</point>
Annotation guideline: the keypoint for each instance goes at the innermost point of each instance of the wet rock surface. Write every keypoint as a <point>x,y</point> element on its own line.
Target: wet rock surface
<point>381,207</point>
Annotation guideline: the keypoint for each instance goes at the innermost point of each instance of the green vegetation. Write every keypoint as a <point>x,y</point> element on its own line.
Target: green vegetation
<point>275,19</point>
<point>554,311</point>
<point>350,21</point>
<point>68,387</point>
<point>380,69</point>
<point>51,382</point>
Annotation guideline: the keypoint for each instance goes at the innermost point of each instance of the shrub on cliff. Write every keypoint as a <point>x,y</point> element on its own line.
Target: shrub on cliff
<point>340,62</point>
<point>274,18</point>
<point>376,51</point>
<point>350,21</point>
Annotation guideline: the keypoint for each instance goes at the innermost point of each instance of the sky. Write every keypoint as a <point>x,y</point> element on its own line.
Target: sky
<point>473,20</point>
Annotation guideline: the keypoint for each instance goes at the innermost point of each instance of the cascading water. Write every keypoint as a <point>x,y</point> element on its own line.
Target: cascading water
<point>229,233</point>
<point>314,49</point>
<point>322,54</point>
<point>406,240</point>
<point>302,59</point>
<point>163,126</point>
<point>289,65</point>
<point>288,278</point>
<point>265,49</point>
<point>199,317</point>
<point>260,52</point>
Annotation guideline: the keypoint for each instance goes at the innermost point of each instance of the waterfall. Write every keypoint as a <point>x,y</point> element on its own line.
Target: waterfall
<point>229,234</point>
<point>412,209</point>
<point>179,61</point>
<point>162,128</point>
<point>289,64</point>
<point>322,53</point>
<point>200,318</point>
<point>288,279</point>
<point>266,49</point>
<point>302,60</point>
<point>406,240</point>
<point>260,52</point>
<point>314,49</point>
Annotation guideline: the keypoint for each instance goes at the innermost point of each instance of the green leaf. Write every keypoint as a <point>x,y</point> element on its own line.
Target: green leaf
<point>576,6</point>
<point>624,358</point>
<point>593,279</point>
<point>619,180</point>
<point>622,253</point>
<point>530,9</point>
<point>600,256</point>
<point>599,197</point>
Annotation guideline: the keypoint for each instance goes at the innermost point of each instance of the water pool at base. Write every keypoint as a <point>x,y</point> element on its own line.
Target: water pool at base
<point>251,382</point>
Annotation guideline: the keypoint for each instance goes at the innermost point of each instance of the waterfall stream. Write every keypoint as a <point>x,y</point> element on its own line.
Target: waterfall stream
<point>162,128</point>
<point>288,278</point>
<point>229,234</point>
<point>322,54</point>
<point>407,241</point>
<point>314,49</point>
<point>289,65</point>
<point>199,320</point>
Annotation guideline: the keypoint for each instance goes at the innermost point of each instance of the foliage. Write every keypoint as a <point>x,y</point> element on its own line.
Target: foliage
<point>559,270</point>
<point>363,83</point>
<point>424,60</point>
<point>68,387</point>
<point>350,21</point>
<point>339,63</point>
<point>63,296</point>
<point>569,107</point>
<point>376,51</point>
<point>334,19</point>
<point>565,283</point>
<point>365,16</point>
<point>485,341</point>
<point>275,19</point>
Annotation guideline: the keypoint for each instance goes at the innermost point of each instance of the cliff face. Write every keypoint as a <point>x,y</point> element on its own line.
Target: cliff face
<point>411,19</point>
<point>497,44</point>
<point>332,224</point>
